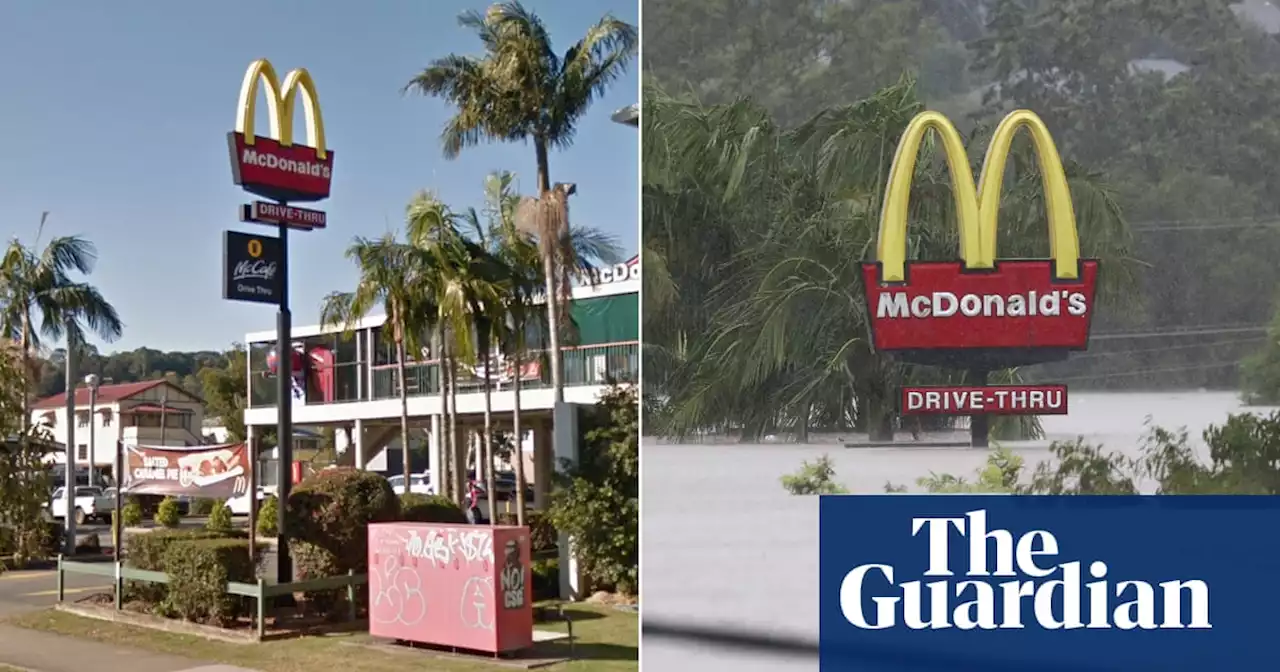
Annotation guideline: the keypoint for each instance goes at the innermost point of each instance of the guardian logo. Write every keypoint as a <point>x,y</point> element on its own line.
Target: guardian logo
<point>1030,582</point>
<point>1009,583</point>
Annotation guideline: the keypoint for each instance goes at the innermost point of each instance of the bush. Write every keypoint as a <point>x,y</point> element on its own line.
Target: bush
<point>546,579</point>
<point>147,551</point>
<point>53,538</point>
<point>219,517</point>
<point>268,515</point>
<point>430,509</point>
<point>542,534</point>
<point>199,570</point>
<point>328,516</point>
<point>597,502</point>
<point>202,506</point>
<point>168,514</point>
<point>131,513</point>
<point>814,478</point>
<point>8,540</point>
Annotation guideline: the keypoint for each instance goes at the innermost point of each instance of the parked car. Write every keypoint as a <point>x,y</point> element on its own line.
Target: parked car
<point>505,483</point>
<point>86,504</point>
<point>240,505</point>
<point>418,484</point>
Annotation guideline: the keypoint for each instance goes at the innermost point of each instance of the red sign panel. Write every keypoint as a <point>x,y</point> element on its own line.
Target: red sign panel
<point>462,586</point>
<point>275,213</point>
<point>1018,307</point>
<point>987,400</point>
<point>280,173</point>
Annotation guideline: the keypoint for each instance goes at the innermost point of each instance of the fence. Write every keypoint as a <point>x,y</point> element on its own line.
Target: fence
<point>260,592</point>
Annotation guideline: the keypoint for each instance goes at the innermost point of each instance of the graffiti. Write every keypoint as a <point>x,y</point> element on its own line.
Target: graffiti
<point>512,577</point>
<point>476,609</point>
<point>451,547</point>
<point>396,593</point>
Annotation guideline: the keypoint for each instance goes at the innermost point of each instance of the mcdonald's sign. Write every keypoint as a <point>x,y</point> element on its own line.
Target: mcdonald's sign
<point>979,311</point>
<point>274,167</point>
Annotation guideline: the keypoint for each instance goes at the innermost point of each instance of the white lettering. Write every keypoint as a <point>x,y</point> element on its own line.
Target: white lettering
<point>900,305</point>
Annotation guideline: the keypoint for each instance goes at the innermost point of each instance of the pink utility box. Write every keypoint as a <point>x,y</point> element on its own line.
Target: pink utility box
<point>461,586</point>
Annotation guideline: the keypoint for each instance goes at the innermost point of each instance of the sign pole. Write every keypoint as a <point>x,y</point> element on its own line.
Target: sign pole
<point>980,424</point>
<point>117,516</point>
<point>251,445</point>
<point>284,409</point>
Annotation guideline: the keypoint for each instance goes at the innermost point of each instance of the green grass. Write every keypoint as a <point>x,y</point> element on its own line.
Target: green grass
<point>608,641</point>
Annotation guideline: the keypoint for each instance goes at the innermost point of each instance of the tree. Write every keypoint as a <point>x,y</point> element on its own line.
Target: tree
<point>226,391</point>
<point>522,90</point>
<point>40,286</point>
<point>395,277</point>
<point>24,477</point>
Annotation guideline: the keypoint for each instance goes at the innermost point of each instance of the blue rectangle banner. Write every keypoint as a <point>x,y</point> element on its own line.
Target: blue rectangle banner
<point>990,583</point>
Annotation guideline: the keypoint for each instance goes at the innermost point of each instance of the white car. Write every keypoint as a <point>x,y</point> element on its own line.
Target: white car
<point>85,504</point>
<point>418,484</point>
<point>240,505</point>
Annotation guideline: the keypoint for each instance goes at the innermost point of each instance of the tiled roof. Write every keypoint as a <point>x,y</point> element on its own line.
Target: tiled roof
<point>107,394</point>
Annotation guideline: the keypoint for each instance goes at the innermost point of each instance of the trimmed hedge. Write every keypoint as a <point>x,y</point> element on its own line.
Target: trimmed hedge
<point>198,574</point>
<point>268,515</point>
<point>219,517</point>
<point>168,514</point>
<point>430,509</point>
<point>328,516</point>
<point>147,551</point>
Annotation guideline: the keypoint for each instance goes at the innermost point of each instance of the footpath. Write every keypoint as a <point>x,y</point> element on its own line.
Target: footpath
<point>45,652</point>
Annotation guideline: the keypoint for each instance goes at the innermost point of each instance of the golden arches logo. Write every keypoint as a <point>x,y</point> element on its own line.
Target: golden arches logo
<point>977,209</point>
<point>281,101</point>
<point>254,248</point>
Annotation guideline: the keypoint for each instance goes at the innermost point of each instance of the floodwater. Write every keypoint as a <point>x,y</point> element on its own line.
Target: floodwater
<point>723,545</point>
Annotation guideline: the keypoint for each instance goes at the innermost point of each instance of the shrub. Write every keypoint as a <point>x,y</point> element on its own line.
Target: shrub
<point>168,515</point>
<point>430,509</point>
<point>328,516</point>
<point>597,500</point>
<point>542,534</point>
<point>219,517</point>
<point>199,570</point>
<point>546,579</point>
<point>202,506</point>
<point>8,540</point>
<point>814,478</point>
<point>52,538</point>
<point>147,551</point>
<point>131,513</point>
<point>268,517</point>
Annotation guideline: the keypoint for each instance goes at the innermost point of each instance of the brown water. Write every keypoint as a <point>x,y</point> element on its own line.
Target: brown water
<point>723,544</point>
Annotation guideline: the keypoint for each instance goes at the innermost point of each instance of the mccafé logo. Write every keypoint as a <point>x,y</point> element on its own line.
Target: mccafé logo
<point>1007,312</point>
<point>274,167</point>
<point>259,269</point>
<point>1013,582</point>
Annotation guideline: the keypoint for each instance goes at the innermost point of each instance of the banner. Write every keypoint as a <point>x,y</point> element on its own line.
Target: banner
<point>979,312</point>
<point>1071,583</point>
<point>213,472</point>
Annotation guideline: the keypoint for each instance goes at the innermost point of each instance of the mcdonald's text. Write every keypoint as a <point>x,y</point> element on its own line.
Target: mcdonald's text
<point>988,400</point>
<point>272,170</point>
<point>1016,305</point>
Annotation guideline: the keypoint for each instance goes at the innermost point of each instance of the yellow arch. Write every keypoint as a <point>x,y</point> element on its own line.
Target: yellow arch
<point>281,103</point>
<point>1064,240</point>
<point>891,246</point>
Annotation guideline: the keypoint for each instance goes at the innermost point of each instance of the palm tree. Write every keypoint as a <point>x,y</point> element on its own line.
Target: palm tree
<point>522,90</point>
<point>394,276</point>
<point>40,286</point>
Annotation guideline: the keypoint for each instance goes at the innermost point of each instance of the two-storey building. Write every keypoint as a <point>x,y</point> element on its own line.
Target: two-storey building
<point>153,413</point>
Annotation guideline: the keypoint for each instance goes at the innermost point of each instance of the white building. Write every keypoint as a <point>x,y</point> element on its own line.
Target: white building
<point>153,413</point>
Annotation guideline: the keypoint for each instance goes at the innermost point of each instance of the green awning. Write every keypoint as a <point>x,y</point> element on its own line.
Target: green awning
<point>607,319</point>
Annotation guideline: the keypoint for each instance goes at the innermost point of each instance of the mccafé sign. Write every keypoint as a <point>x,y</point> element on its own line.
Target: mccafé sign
<point>273,166</point>
<point>979,309</point>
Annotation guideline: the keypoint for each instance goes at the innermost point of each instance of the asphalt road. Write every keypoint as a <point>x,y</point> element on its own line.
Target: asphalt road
<point>34,589</point>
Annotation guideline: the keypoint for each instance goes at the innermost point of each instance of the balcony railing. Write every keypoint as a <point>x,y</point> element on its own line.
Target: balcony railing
<point>585,365</point>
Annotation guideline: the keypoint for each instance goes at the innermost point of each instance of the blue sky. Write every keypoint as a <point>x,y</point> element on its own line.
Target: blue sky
<point>115,118</point>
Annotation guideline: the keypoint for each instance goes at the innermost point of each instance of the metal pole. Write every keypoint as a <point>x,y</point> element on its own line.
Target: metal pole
<point>164,406</point>
<point>93,400</point>
<point>979,425</point>
<point>118,519</point>
<point>69,492</point>
<point>284,411</point>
